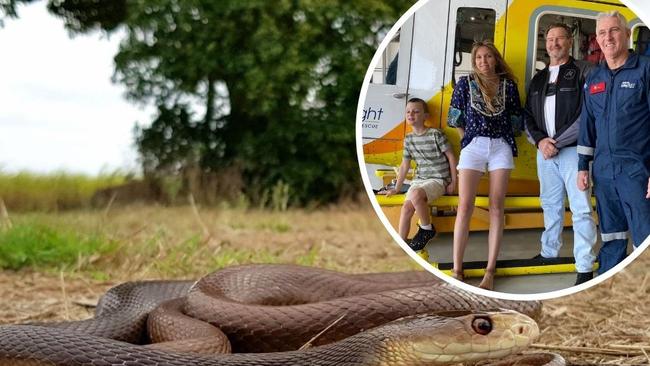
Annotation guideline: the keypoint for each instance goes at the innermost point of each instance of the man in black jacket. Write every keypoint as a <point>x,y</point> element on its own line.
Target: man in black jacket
<point>553,108</point>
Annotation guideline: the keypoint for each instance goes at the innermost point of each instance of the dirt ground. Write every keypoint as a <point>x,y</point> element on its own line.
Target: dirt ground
<point>605,325</point>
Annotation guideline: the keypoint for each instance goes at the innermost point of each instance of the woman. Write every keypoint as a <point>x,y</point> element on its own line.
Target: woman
<point>486,110</point>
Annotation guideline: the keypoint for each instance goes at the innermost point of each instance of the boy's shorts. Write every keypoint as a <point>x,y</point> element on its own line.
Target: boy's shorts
<point>434,188</point>
<point>486,153</point>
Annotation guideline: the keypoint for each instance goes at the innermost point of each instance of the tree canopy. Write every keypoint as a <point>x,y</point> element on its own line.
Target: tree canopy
<point>268,87</point>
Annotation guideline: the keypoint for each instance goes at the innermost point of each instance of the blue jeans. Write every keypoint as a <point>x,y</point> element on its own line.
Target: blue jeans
<point>557,179</point>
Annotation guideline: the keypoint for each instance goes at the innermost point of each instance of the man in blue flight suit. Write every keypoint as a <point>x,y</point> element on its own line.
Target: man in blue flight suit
<point>615,134</point>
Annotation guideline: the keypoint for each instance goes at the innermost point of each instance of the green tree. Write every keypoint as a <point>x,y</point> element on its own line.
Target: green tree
<point>86,15</point>
<point>268,87</point>
<point>277,83</point>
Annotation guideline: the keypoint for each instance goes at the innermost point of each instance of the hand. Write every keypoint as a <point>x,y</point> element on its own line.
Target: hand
<point>648,194</point>
<point>390,192</point>
<point>583,180</point>
<point>451,187</point>
<point>547,147</point>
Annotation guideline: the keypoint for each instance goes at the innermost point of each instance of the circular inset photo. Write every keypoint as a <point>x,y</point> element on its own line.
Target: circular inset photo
<point>505,145</point>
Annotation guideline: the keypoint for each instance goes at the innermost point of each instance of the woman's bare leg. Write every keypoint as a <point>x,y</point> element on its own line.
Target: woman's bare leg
<point>467,186</point>
<point>498,188</point>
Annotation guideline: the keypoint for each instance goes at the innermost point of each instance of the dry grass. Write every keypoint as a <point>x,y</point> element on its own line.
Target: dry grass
<point>26,191</point>
<point>154,241</point>
<point>159,242</point>
<point>606,325</point>
<point>349,239</point>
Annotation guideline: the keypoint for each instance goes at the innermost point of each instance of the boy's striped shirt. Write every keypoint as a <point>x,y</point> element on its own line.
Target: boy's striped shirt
<point>428,152</point>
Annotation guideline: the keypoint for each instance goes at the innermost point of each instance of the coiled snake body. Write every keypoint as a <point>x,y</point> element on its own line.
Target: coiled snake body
<point>278,309</point>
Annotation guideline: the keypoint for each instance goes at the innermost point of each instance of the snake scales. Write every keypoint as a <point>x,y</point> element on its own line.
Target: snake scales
<point>277,309</point>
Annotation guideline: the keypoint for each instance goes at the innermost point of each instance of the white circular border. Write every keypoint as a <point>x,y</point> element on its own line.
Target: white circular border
<point>642,10</point>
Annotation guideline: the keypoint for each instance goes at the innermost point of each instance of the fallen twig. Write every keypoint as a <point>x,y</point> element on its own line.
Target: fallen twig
<point>630,347</point>
<point>64,295</point>
<point>603,351</point>
<point>88,304</point>
<point>4,215</point>
<point>108,205</point>
<point>311,341</point>
<point>207,237</point>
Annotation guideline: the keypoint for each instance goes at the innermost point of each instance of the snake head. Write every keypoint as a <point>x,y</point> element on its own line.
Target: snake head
<point>436,340</point>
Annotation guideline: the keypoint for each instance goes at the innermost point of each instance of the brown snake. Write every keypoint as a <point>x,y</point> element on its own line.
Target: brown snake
<point>277,309</point>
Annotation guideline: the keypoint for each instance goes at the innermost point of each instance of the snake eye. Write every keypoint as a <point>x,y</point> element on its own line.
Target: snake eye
<point>482,326</point>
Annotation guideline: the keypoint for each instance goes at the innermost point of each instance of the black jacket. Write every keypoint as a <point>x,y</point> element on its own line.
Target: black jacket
<point>568,101</point>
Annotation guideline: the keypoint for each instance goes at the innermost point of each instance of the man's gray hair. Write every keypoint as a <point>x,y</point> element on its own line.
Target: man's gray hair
<point>613,13</point>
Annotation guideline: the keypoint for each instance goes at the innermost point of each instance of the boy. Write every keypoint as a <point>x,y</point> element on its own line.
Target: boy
<point>433,157</point>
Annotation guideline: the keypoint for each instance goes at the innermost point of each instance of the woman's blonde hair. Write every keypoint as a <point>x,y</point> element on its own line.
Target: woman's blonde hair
<point>501,69</point>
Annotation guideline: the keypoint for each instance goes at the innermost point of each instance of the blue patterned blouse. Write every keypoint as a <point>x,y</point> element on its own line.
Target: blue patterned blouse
<point>468,111</point>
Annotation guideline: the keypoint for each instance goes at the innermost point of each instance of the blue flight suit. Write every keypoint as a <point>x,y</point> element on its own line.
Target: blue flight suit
<point>615,134</point>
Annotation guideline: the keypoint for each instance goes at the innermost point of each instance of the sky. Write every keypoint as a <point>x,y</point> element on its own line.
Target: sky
<point>59,109</point>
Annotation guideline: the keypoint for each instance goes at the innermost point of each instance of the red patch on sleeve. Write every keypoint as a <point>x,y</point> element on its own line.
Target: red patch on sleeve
<point>597,88</point>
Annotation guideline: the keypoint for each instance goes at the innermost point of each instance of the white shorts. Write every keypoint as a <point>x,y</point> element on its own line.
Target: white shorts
<point>434,188</point>
<point>486,153</point>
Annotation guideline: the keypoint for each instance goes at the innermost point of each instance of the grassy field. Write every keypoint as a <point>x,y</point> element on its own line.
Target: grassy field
<point>46,224</point>
<point>52,261</point>
<point>155,241</point>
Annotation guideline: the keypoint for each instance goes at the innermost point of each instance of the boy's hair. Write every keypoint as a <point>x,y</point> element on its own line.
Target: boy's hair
<point>425,107</point>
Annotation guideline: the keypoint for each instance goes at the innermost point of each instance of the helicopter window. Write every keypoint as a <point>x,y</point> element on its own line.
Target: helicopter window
<point>641,39</point>
<point>385,71</point>
<point>472,24</point>
<point>583,29</point>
